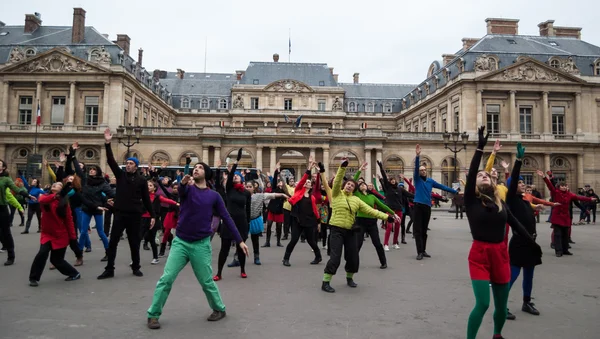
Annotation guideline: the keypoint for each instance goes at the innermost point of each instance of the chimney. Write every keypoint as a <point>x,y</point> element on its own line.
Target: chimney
<point>447,58</point>
<point>32,22</point>
<point>78,30</point>
<point>140,55</point>
<point>331,70</point>
<point>124,41</point>
<point>275,57</point>
<point>571,32</point>
<point>547,28</point>
<point>239,75</point>
<point>355,76</point>
<point>502,26</point>
<point>180,73</point>
<point>156,74</point>
<point>335,77</point>
<point>468,43</point>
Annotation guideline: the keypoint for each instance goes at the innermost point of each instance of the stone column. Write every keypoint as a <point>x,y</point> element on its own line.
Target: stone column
<point>578,118</point>
<point>313,154</point>
<point>449,116</point>
<point>379,155</point>
<point>514,123</point>
<point>273,159</point>
<point>545,114</point>
<point>580,170</point>
<point>546,168</point>
<point>326,161</point>
<point>438,121</point>
<point>479,108</point>
<point>103,161</point>
<point>38,100</point>
<point>105,110</point>
<point>217,156</point>
<point>205,155</point>
<point>4,107</point>
<point>71,112</point>
<point>299,172</point>
<point>368,170</point>
<point>259,159</point>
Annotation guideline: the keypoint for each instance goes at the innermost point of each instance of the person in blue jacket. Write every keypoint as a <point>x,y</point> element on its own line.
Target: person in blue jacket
<point>422,208</point>
<point>34,190</point>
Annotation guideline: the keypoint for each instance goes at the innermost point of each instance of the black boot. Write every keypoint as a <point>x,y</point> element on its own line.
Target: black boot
<point>403,240</point>
<point>278,235</point>
<point>163,247</point>
<point>529,307</point>
<point>510,316</point>
<point>316,261</point>
<point>286,259</point>
<point>350,282</point>
<point>105,257</point>
<point>327,287</point>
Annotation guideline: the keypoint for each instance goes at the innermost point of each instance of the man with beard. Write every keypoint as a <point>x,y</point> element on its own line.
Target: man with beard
<point>192,243</point>
<point>132,190</point>
<point>422,208</point>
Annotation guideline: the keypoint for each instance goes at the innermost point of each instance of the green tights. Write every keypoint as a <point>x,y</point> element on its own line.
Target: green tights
<point>482,303</point>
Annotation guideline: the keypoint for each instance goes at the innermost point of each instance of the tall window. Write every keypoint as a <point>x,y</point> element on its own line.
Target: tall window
<point>444,126</point>
<point>493,118</point>
<point>387,108</point>
<point>558,120</point>
<point>25,108</point>
<point>222,104</point>
<point>370,107</point>
<point>136,121</point>
<point>91,111</point>
<point>352,107</point>
<point>321,104</point>
<point>456,119</point>
<point>126,113</point>
<point>416,126</point>
<point>145,119</point>
<point>433,125</point>
<point>58,110</point>
<point>287,104</point>
<point>204,104</point>
<point>424,128</point>
<point>525,120</point>
<point>253,103</point>
<point>185,103</point>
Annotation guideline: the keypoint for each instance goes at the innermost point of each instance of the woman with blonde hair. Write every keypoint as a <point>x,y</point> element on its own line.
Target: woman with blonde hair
<point>488,258</point>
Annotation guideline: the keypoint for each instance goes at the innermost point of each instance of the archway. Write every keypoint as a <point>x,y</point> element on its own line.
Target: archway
<point>394,166</point>
<point>159,158</point>
<point>450,171</point>
<point>133,153</point>
<point>293,163</point>
<point>425,161</point>
<point>530,165</point>
<point>193,155</point>
<point>353,163</point>
<point>247,160</point>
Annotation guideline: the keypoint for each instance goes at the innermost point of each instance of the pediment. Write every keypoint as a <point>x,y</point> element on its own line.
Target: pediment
<point>288,85</point>
<point>530,70</point>
<point>53,61</point>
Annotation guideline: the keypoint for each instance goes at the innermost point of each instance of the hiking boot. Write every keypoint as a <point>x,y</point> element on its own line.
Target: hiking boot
<point>286,262</point>
<point>256,259</point>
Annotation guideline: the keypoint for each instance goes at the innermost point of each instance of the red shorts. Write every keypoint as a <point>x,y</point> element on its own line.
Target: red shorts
<point>489,262</point>
<point>275,217</point>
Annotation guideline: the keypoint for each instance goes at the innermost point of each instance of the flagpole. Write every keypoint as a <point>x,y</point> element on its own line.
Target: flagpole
<point>36,128</point>
<point>290,45</point>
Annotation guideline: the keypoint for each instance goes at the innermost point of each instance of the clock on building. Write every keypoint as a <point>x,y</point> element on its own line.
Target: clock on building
<point>289,85</point>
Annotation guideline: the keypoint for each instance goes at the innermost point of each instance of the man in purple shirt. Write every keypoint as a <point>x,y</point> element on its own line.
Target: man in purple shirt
<point>192,243</point>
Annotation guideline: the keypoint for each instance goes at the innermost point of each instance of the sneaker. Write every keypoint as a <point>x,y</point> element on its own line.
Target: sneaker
<point>51,268</point>
<point>138,273</point>
<point>316,261</point>
<point>25,232</point>
<point>350,282</point>
<point>420,256</point>
<point>383,266</point>
<point>88,249</point>
<point>146,248</point>
<point>234,263</point>
<point>530,308</point>
<point>105,258</point>
<point>510,316</point>
<point>386,248</point>
<point>396,247</point>
<point>106,274</point>
<point>75,277</point>
<point>426,255</point>
<point>33,283</point>
<point>9,262</point>
<point>161,255</point>
<point>153,324</point>
<point>155,262</point>
<point>217,315</point>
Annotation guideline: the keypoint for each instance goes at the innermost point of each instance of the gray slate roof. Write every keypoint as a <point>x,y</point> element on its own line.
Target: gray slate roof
<point>376,91</point>
<point>534,45</point>
<point>203,76</point>
<point>308,73</point>
<point>194,87</point>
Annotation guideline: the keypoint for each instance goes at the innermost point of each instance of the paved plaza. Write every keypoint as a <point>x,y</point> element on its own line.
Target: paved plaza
<point>411,299</point>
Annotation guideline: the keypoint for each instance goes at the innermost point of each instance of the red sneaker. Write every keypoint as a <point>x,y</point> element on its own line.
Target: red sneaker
<point>216,278</point>
<point>244,275</point>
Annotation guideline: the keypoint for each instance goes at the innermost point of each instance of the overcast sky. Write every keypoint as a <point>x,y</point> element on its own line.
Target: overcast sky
<point>385,41</point>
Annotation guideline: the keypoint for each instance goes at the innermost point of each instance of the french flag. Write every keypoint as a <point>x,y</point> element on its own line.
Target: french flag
<point>38,120</point>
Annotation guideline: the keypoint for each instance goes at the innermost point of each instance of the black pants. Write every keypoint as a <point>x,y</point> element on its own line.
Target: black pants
<point>459,209</point>
<point>224,252</point>
<point>107,221</point>
<point>255,244</point>
<point>287,222</point>
<point>33,208</point>
<point>309,233</point>
<point>592,214</point>
<point>369,226</point>
<point>345,239</point>
<point>324,237</point>
<point>561,238</point>
<point>129,223</point>
<point>149,235</point>
<point>277,231</point>
<point>13,210</point>
<point>5,234</point>
<point>404,215</point>
<point>57,258</point>
<point>422,214</point>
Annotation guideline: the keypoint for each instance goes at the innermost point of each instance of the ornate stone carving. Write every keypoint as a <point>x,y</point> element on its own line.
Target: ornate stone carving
<point>238,102</point>
<point>460,65</point>
<point>159,157</point>
<point>486,63</point>
<point>567,65</point>
<point>271,100</point>
<point>446,74</point>
<point>337,105</point>
<point>101,56</point>
<point>530,72</point>
<point>288,86</point>
<point>54,63</point>
<point>403,103</point>
<point>305,101</point>
<point>16,55</point>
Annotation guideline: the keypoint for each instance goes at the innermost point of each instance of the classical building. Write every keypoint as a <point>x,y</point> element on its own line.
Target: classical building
<point>541,90</point>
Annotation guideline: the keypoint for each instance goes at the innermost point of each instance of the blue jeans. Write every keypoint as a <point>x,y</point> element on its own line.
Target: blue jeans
<point>85,224</point>
<point>84,237</point>
<point>527,279</point>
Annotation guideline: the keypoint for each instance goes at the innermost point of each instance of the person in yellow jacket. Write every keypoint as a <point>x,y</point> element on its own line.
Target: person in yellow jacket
<point>489,167</point>
<point>344,205</point>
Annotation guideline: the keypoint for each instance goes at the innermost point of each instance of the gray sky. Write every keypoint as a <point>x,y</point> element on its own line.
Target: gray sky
<point>385,41</point>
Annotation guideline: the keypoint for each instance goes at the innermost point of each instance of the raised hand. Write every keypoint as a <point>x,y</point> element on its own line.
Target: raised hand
<point>57,164</point>
<point>520,151</point>
<point>345,162</point>
<point>107,136</point>
<point>497,146</point>
<point>540,173</point>
<point>418,150</point>
<point>239,155</point>
<point>364,166</point>
<point>185,179</point>
<point>278,166</point>
<point>62,157</point>
<point>504,164</point>
<point>75,145</point>
<point>321,168</point>
<point>379,163</point>
<point>483,137</point>
<point>45,163</point>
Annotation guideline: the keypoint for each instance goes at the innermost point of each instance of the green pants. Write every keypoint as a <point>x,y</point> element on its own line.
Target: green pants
<point>481,289</point>
<point>199,253</point>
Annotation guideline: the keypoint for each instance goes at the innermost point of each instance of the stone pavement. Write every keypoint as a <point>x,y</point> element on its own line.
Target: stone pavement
<point>411,299</point>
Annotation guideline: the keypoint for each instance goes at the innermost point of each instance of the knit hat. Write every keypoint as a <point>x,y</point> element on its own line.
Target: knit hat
<point>509,179</point>
<point>207,171</point>
<point>401,184</point>
<point>135,160</point>
<point>240,174</point>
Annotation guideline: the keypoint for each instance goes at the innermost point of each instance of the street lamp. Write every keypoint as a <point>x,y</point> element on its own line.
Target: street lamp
<point>453,138</point>
<point>129,132</point>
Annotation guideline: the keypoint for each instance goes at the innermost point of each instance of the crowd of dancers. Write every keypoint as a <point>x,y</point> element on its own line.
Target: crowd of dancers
<point>340,212</point>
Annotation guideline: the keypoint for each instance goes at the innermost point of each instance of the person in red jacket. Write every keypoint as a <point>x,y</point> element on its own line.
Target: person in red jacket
<point>57,230</point>
<point>560,218</point>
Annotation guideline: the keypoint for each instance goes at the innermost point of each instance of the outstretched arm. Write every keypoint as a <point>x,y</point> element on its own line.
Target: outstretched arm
<point>474,168</point>
<point>514,181</point>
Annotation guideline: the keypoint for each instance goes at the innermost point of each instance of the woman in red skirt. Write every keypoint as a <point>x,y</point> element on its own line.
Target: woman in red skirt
<point>275,210</point>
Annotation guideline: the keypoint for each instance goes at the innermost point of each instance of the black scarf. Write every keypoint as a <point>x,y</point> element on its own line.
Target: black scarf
<point>95,181</point>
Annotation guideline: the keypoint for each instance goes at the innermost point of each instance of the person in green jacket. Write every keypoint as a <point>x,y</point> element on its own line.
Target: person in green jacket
<point>344,206</point>
<point>5,234</point>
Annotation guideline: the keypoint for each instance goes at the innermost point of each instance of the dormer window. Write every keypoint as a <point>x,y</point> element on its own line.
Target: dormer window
<point>30,52</point>
<point>223,104</point>
<point>352,107</point>
<point>204,104</point>
<point>555,63</point>
<point>321,83</point>
<point>255,82</point>
<point>597,67</point>
<point>387,108</point>
<point>185,103</point>
<point>370,107</point>
<point>511,41</point>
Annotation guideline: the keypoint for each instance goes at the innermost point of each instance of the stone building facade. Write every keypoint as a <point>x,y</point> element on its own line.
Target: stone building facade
<point>542,90</point>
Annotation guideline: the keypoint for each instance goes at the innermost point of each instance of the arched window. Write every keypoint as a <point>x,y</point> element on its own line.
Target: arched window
<point>370,107</point>
<point>204,104</point>
<point>185,103</point>
<point>387,108</point>
<point>352,107</point>
<point>30,52</point>
<point>222,104</point>
<point>555,63</point>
